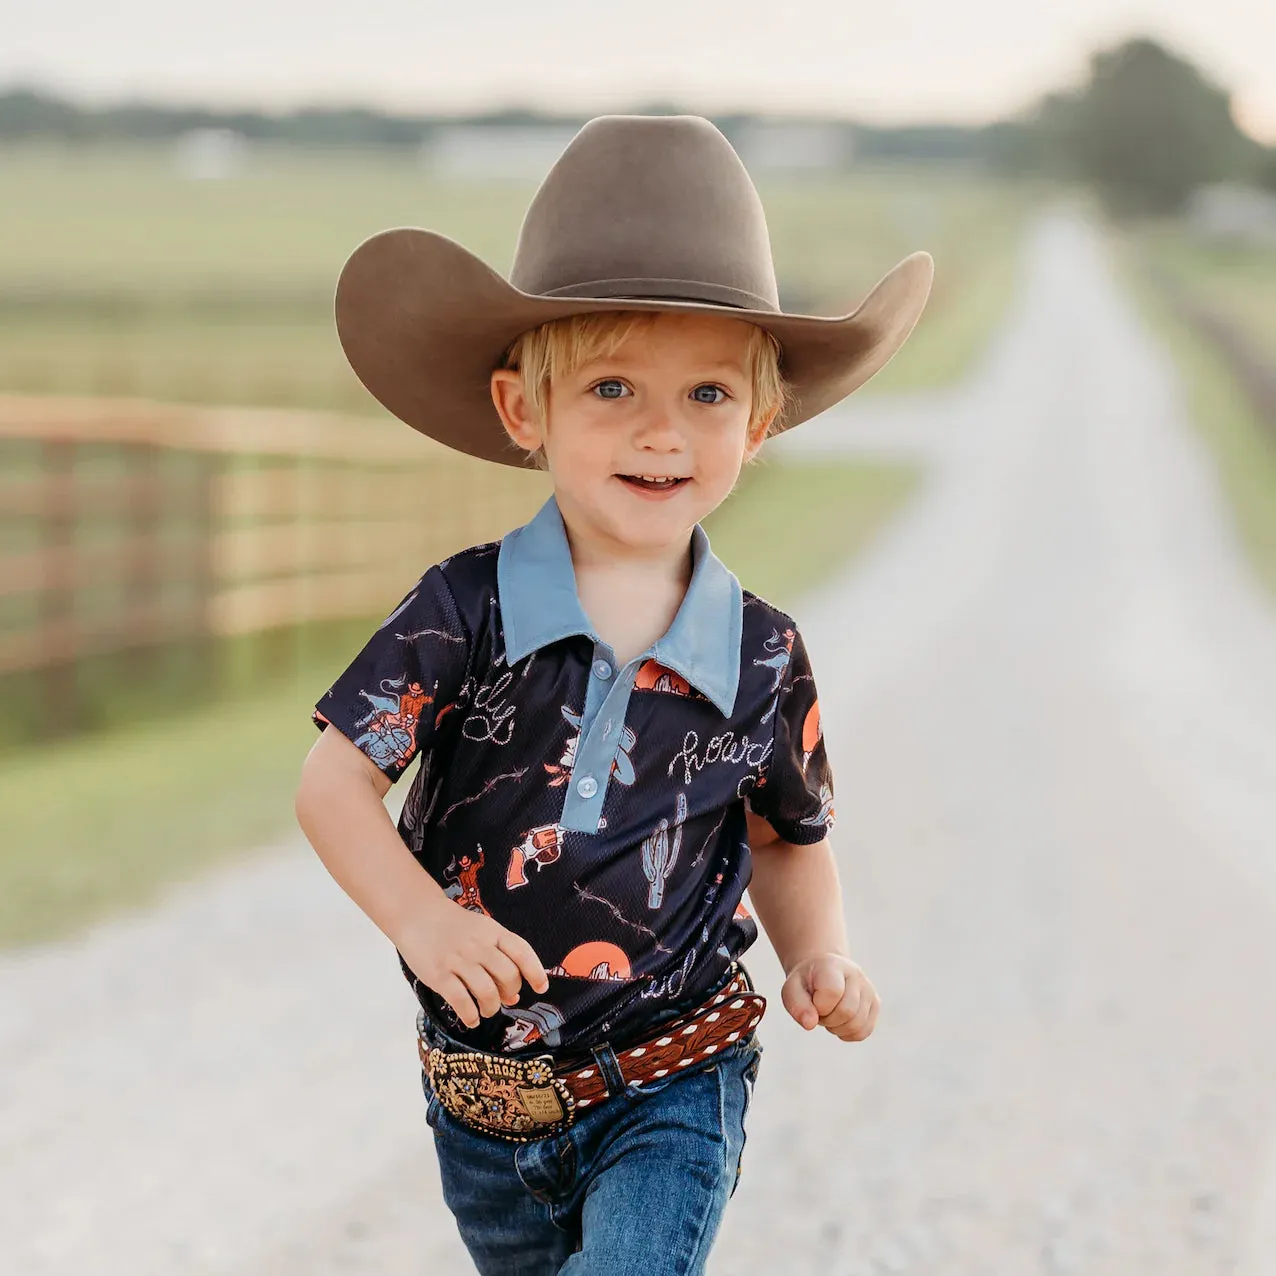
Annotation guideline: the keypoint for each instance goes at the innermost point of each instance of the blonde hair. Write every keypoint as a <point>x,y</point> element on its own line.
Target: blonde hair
<point>557,348</point>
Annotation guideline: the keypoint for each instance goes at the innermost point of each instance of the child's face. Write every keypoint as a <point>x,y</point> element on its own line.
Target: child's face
<point>672,404</point>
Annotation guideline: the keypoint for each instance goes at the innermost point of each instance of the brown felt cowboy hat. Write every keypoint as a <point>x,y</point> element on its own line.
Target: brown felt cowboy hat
<point>639,213</point>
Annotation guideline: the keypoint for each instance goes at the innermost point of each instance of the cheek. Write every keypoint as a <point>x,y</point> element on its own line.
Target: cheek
<point>577,449</point>
<point>722,451</point>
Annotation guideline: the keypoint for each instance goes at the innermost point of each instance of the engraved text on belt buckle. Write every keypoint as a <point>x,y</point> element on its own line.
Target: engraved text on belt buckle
<point>517,1099</point>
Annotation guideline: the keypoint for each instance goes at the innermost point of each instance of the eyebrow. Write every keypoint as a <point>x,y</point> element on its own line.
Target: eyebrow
<point>720,365</point>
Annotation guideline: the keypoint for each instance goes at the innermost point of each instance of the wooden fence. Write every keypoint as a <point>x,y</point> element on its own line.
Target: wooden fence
<point>124,525</point>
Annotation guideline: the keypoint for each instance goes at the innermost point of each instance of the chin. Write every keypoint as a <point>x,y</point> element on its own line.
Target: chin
<point>654,531</point>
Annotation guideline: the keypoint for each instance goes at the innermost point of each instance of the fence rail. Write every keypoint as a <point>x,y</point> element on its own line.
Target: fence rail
<point>126,524</point>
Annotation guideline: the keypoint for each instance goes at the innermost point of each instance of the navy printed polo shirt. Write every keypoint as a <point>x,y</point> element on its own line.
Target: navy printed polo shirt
<point>594,809</point>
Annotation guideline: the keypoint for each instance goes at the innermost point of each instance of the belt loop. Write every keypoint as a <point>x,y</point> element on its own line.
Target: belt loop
<point>609,1067</point>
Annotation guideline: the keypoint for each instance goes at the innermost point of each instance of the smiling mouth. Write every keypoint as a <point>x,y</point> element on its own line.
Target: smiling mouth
<point>651,482</point>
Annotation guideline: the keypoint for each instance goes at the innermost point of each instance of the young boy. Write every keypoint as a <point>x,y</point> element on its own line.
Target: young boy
<point>613,739</point>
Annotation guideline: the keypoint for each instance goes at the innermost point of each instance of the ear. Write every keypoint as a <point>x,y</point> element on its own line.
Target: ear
<point>518,416</point>
<point>756,437</point>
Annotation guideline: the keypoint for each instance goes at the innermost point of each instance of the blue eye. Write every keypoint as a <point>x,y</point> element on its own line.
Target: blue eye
<point>705,393</point>
<point>610,389</point>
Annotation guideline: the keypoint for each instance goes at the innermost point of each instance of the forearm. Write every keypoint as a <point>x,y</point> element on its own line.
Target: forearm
<point>798,899</point>
<point>345,820</point>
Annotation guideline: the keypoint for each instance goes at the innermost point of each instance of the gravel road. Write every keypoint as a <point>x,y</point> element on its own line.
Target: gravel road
<point>1050,695</point>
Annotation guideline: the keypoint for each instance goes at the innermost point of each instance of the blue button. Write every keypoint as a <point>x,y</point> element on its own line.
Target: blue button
<point>602,669</point>
<point>587,786</point>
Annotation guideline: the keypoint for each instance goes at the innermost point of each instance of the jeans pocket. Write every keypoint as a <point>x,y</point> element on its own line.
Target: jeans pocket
<point>637,1089</point>
<point>748,1077</point>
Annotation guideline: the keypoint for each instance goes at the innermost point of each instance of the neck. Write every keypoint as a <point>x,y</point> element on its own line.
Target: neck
<point>630,598</point>
<point>663,562</point>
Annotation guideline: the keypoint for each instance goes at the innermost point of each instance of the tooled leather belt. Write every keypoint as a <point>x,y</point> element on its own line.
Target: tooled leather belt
<point>526,1099</point>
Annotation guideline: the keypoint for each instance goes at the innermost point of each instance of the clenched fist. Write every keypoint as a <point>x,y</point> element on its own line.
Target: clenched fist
<point>831,991</point>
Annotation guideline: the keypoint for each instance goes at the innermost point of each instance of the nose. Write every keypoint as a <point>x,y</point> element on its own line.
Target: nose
<point>659,431</point>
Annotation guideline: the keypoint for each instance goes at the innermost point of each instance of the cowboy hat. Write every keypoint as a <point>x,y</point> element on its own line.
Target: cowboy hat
<point>639,213</point>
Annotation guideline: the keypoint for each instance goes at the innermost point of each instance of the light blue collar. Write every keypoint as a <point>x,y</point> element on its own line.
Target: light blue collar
<point>536,584</point>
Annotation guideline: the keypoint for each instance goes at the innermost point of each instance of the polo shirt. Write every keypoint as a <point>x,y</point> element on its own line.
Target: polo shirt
<point>594,808</point>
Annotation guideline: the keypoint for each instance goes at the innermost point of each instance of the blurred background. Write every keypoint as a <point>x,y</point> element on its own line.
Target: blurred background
<point>203,514</point>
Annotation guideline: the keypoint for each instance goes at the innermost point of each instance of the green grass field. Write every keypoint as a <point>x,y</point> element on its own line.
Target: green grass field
<point>1238,281</point>
<point>1243,448</point>
<point>106,822</point>
<point>119,276</point>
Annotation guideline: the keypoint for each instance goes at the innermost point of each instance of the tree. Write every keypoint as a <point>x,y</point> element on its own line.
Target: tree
<point>1266,168</point>
<point>1148,128</point>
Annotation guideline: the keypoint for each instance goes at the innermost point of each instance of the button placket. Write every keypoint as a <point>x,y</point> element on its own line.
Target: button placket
<point>606,703</point>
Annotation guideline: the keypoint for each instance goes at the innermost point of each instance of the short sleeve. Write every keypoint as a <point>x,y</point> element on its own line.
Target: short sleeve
<point>397,690</point>
<point>796,796</point>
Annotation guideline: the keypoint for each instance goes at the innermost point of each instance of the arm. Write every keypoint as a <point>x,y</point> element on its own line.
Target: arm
<point>798,898</point>
<point>464,957</point>
<point>339,807</point>
<point>797,895</point>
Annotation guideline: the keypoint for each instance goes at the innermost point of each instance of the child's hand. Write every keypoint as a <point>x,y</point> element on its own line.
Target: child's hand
<point>832,991</point>
<point>468,958</point>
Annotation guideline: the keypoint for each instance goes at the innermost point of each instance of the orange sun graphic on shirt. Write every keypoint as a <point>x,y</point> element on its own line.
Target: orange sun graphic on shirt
<point>812,729</point>
<point>812,733</point>
<point>595,960</point>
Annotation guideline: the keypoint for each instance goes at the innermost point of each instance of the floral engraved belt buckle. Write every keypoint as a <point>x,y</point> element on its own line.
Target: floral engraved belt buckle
<point>517,1099</point>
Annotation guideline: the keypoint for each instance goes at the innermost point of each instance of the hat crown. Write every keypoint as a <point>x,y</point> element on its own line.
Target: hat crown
<point>648,206</point>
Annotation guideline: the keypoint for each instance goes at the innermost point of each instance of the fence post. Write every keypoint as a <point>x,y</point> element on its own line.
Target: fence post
<point>58,591</point>
<point>208,672</point>
<point>145,576</point>
<point>277,642</point>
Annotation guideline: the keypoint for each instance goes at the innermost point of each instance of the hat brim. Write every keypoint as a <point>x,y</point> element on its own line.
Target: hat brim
<point>424,322</point>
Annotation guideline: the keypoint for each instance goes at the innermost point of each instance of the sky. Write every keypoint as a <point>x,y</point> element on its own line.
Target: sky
<point>894,61</point>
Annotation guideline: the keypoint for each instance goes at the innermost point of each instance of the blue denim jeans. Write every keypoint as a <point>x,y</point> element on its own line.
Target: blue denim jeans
<point>637,1184</point>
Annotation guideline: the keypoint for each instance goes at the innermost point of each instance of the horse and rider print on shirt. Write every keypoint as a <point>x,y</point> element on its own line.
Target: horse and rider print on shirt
<point>389,735</point>
<point>464,889</point>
